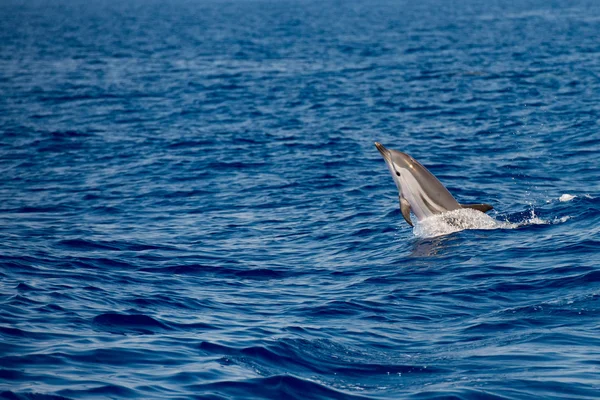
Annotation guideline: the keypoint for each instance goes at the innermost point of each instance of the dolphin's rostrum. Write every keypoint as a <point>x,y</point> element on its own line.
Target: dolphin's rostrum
<point>420,191</point>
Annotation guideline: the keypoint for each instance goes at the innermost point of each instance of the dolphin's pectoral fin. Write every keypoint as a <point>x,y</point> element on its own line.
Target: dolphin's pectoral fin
<point>479,207</point>
<point>405,208</point>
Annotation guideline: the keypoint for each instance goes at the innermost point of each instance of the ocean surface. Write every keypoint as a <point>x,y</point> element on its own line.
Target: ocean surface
<point>192,206</point>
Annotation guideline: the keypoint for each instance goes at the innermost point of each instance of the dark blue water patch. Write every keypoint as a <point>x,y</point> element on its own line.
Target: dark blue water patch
<point>30,396</point>
<point>120,323</point>
<point>81,244</point>
<point>102,391</point>
<point>15,332</point>
<point>142,324</point>
<point>39,359</point>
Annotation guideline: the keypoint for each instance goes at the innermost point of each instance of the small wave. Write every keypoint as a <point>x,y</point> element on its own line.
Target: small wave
<point>106,391</point>
<point>466,218</point>
<point>199,269</point>
<point>273,387</point>
<point>142,324</point>
<point>566,197</point>
<point>306,358</point>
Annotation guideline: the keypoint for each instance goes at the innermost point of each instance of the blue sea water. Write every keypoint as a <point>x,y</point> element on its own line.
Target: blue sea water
<point>191,204</point>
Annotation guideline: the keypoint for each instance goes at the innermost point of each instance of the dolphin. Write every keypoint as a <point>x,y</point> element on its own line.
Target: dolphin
<point>420,191</point>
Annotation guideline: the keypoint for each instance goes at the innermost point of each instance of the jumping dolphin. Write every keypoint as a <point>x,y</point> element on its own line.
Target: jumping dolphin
<point>420,191</point>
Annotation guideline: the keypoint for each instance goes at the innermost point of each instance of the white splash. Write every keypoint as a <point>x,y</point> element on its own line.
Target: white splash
<point>561,219</point>
<point>455,221</point>
<point>533,220</point>
<point>467,218</point>
<point>566,197</point>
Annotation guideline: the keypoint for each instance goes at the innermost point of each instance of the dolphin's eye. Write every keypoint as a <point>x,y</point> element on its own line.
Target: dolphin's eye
<point>397,173</point>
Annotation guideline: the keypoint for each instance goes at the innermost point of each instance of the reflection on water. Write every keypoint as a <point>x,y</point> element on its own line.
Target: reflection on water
<point>429,247</point>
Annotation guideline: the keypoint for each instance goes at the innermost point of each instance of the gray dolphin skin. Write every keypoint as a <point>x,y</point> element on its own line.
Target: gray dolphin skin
<point>420,191</point>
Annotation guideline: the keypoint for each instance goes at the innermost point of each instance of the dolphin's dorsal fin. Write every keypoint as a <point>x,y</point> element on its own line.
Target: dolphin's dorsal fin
<point>479,207</point>
<point>405,208</point>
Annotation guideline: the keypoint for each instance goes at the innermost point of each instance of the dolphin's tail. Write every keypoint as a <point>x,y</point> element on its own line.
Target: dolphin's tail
<point>479,207</point>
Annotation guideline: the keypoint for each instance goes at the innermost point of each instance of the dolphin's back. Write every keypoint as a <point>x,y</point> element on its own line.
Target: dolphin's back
<point>433,188</point>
